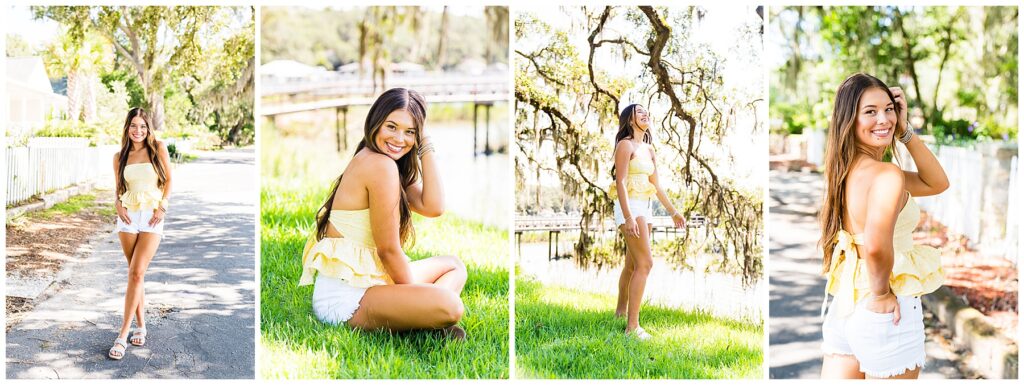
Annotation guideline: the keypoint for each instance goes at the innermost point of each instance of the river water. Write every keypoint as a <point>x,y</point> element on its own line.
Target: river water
<point>477,187</point>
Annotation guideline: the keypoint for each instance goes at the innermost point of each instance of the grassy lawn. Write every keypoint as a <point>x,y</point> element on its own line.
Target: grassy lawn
<point>294,344</point>
<point>75,204</point>
<point>564,333</point>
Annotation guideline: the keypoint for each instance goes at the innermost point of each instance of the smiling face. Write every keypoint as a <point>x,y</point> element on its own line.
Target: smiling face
<point>138,130</point>
<point>876,119</point>
<point>641,120</point>
<point>397,135</point>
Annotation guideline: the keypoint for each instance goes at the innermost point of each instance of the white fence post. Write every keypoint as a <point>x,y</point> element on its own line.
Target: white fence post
<point>1012,210</point>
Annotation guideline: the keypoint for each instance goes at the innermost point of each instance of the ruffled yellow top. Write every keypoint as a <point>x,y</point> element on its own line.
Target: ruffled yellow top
<point>143,191</point>
<point>638,183</point>
<point>351,258</point>
<point>916,270</point>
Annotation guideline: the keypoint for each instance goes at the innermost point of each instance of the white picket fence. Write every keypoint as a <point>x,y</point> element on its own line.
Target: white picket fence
<point>959,207</point>
<point>1013,212</point>
<point>48,166</point>
<point>983,197</point>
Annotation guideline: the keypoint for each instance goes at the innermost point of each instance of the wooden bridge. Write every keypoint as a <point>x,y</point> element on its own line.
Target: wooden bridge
<point>340,93</point>
<point>554,226</point>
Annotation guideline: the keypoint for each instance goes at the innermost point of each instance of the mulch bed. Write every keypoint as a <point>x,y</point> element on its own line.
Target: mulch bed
<point>987,283</point>
<point>38,246</point>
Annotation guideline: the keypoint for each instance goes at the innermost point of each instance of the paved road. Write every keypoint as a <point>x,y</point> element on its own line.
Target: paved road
<point>796,286</point>
<point>200,291</point>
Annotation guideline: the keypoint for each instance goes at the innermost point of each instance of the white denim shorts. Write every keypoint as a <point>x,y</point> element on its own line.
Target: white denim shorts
<point>140,223</point>
<point>883,349</point>
<point>637,208</point>
<point>334,300</point>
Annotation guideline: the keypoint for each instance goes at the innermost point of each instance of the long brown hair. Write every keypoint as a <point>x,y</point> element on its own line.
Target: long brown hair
<point>408,166</point>
<point>626,129</point>
<point>149,144</point>
<point>841,150</point>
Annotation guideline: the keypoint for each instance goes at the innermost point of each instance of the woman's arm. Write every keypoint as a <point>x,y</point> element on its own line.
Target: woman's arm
<point>623,150</point>
<point>165,159</point>
<point>677,218</point>
<point>929,179</point>
<point>384,193</point>
<point>426,196</point>
<point>884,204</point>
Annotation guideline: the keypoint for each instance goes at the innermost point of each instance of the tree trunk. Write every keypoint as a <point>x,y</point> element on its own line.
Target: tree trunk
<point>156,108</point>
<point>89,97</point>
<point>442,39</point>
<point>908,56</point>
<point>947,42</point>
<point>235,130</point>
<point>74,98</point>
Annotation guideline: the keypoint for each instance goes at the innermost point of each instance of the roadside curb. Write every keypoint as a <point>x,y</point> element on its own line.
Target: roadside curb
<point>991,353</point>
<point>51,199</point>
<point>56,282</point>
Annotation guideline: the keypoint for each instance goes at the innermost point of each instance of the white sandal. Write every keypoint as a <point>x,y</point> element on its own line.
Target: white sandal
<point>140,335</point>
<point>123,343</point>
<point>640,334</point>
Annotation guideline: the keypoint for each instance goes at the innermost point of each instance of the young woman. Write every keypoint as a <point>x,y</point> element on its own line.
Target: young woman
<point>142,178</point>
<point>874,327</point>
<point>362,276</point>
<point>636,182</point>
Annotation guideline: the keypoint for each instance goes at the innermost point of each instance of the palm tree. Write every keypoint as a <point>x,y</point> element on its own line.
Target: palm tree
<point>79,60</point>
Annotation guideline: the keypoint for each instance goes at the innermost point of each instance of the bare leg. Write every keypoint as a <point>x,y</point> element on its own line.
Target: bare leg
<point>128,241</point>
<point>627,273</point>
<point>145,249</point>
<point>841,366</point>
<point>642,261</point>
<point>407,307</point>
<point>445,271</point>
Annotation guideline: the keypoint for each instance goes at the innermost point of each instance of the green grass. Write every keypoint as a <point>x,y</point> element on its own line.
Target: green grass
<point>73,206</point>
<point>565,333</point>
<point>295,345</point>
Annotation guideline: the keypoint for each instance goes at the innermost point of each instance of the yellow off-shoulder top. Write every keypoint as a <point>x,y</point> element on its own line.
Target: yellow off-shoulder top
<point>143,191</point>
<point>916,270</point>
<point>638,183</point>
<point>352,257</point>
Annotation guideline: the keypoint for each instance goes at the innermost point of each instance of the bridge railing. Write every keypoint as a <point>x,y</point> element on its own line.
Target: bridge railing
<point>431,85</point>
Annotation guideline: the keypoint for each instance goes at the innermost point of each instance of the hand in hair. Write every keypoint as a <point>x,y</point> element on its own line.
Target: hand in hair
<point>901,100</point>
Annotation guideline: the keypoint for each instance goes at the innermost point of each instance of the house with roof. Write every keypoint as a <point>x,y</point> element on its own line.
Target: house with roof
<point>30,97</point>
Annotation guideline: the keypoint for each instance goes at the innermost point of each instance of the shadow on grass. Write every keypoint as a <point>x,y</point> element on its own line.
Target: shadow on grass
<point>297,345</point>
<point>563,333</point>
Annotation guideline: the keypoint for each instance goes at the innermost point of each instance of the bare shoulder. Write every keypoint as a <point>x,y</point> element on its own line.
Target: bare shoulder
<point>117,157</point>
<point>161,146</point>
<point>886,182</point>
<point>624,147</point>
<point>884,172</point>
<point>624,144</point>
<point>376,166</point>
